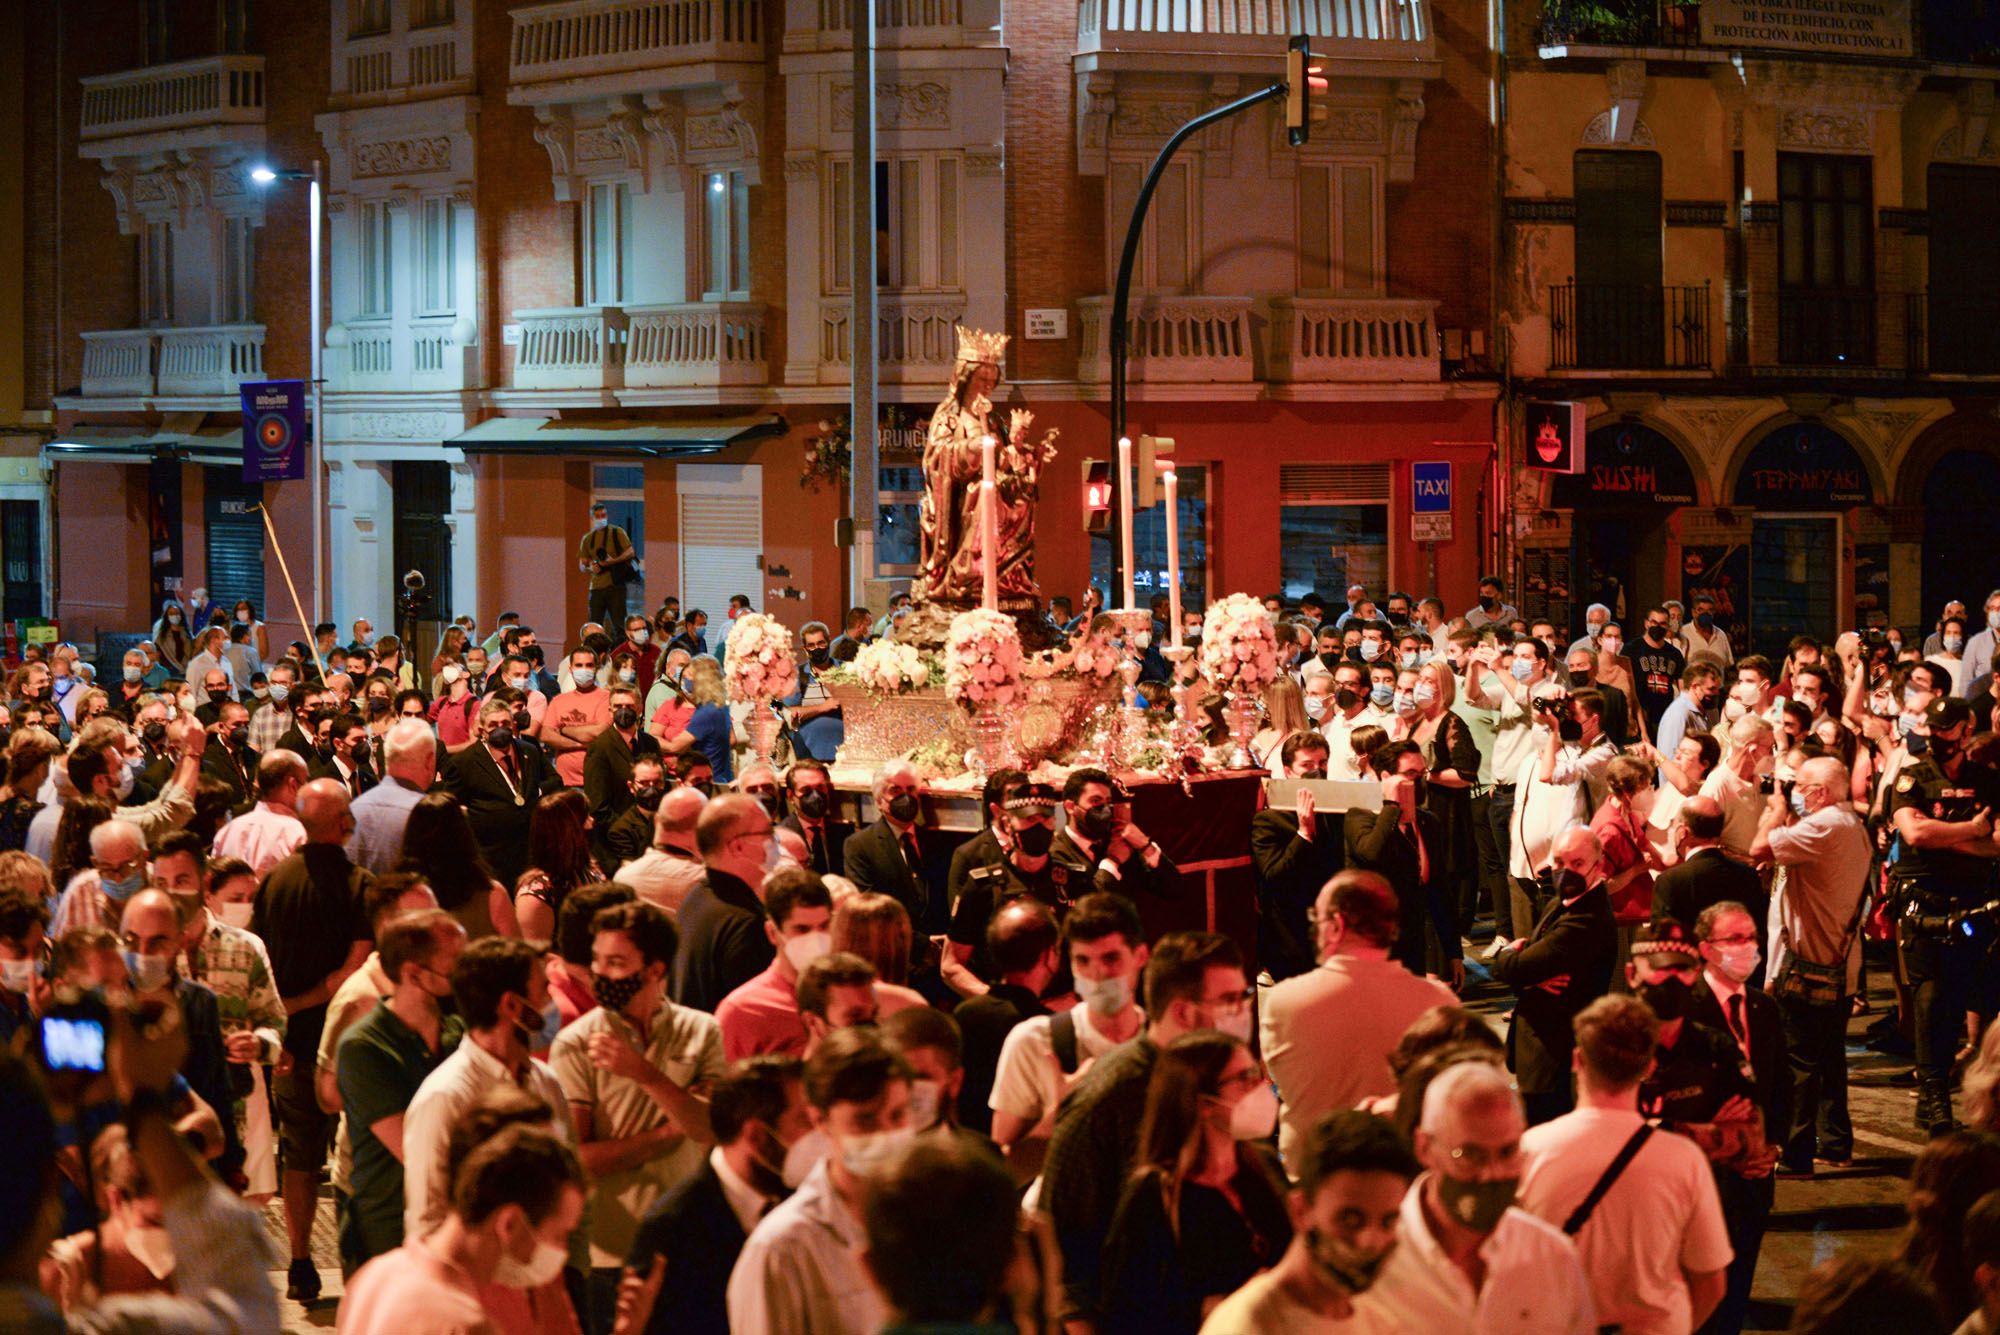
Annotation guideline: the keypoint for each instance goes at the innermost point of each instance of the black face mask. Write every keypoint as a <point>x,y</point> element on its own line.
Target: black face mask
<point>1569,730</point>
<point>820,657</point>
<point>500,738</point>
<point>153,734</point>
<point>648,796</point>
<point>903,807</point>
<point>325,750</point>
<point>1095,823</point>
<point>1942,748</point>
<point>1654,634</point>
<point>1346,698</point>
<point>377,706</point>
<point>1487,604</point>
<point>811,803</point>
<point>1570,883</point>
<point>523,720</point>
<point>1331,658</point>
<point>1668,999</point>
<point>1579,678</point>
<point>239,737</point>
<point>1035,840</point>
<point>624,717</point>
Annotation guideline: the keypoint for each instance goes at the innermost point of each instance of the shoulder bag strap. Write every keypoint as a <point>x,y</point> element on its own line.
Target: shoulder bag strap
<point>1581,1215</point>
<point>1062,1037</point>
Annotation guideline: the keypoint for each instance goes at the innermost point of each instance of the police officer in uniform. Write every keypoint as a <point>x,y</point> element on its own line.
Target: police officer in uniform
<point>1942,809</point>
<point>1025,868</point>
<point>990,843</point>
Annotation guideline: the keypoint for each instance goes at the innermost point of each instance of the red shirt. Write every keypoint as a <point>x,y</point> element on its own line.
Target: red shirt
<point>762,1016</point>
<point>1621,850</point>
<point>566,710</point>
<point>645,660</point>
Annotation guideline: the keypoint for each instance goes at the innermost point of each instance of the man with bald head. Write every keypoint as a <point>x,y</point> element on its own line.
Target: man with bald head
<point>409,755</point>
<point>1563,966</point>
<point>308,911</point>
<point>665,873</point>
<point>150,931</point>
<point>270,831</point>
<point>1817,836</point>
<point>1704,874</point>
<point>723,944</point>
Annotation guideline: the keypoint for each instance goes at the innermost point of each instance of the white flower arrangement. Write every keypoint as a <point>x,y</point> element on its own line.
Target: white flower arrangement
<point>1239,650</point>
<point>982,658</point>
<point>889,668</point>
<point>760,666</point>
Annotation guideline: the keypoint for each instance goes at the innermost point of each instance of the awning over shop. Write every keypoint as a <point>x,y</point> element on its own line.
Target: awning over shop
<point>619,439</point>
<point>181,436</point>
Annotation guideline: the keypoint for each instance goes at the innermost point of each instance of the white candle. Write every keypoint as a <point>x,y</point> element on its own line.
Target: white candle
<point>1125,513</point>
<point>989,529</point>
<point>1173,483</point>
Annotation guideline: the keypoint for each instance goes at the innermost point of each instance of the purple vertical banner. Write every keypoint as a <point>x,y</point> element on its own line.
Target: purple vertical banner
<point>274,430</point>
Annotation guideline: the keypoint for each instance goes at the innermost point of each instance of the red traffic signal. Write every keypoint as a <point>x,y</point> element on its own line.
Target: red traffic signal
<point>1096,495</point>
<point>1305,91</point>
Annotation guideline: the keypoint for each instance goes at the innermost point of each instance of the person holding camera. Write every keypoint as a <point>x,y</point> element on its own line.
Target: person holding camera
<point>606,554</point>
<point>1941,808</point>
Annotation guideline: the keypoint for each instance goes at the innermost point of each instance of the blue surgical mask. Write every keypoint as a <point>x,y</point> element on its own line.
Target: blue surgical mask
<point>1424,693</point>
<point>1954,643</point>
<point>149,973</point>
<point>1410,660</point>
<point>1522,669</point>
<point>125,889</point>
<point>279,691</point>
<point>1315,707</point>
<point>584,677</point>
<point>1798,803</point>
<point>1993,621</point>
<point>1381,696</point>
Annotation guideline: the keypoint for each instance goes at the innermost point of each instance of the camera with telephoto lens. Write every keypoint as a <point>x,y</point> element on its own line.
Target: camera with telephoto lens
<point>1931,920</point>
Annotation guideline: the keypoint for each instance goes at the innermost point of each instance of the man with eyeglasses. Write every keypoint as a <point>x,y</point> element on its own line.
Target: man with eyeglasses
<point>723,944</point>
<point>1467,1257</point>
<point>1194,981</point>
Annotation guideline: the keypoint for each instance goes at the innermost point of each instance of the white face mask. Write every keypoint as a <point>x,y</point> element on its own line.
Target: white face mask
<point>1737,963</point>
<point>17,975</point>
<point>542,1266</point>
<point>802,1156</point>
<point>236,913</point>
<point>640,636</point>
<point>1104,996</point>
<point>867,1153</point>
<point>801,951</point>
<point>1255,1115</point>
<point>926,1096</point>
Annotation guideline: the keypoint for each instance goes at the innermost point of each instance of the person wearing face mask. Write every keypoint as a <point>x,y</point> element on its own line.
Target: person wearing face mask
<point>380,1067</point>
<point>1205,1209</point>
<point>607,767</point>
<point>1294,853</point>
<point>929,1041</point>
<point>1403,843</point>
<point>24,920</point>
<point>1642,1206</point>
<point>1692,710</point>
<point>1468,1257</point>
<point>763,1015</point>
<point>1946,649</point>
<point>1101,844</point>
<point>694,1234</point>
<point>888,856</point>
<point>1194,981</point>
<point>636,1071</point>
<point>810,807</point>
<point>1046,1056</point>
<point>1728,1000</point>
<point>1735,785</point>
<point>1705,636</point>
<point>1595,618</point>
<point>723,943</point>
<point>1492,609</point>
<point>1563,965</point>
<point>818,727</point>
<point>1024,865</point>
<point>150,931</point>
<point>270,832</point>
<point>801,1267</point>
<point>499,781</point>
<point>576,717</point>
<point>638,646</point>
<point>518,1197</point>
<point>1328,1033</point>
<point>1356,1173</point>
<point>229,757</point>
<point>96,896</point>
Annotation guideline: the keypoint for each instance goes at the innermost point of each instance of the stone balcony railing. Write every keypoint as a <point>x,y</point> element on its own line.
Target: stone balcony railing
<point>698,343</point>
<point>916,337</point>
<point>191,100</point>
<point>1350,339</point>
<point>209,360</point>
<point>1170,340</point>
<point>1285,340</point>
<point>1341,30</point>
<point>430,353</point>
<point>567,51</point>
<point>828,25</point>
<point>687,344</point>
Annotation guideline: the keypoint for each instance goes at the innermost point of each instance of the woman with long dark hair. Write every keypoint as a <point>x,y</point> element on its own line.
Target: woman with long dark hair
<point>71,852</point>
<point>559,861</point>
<point>172,637</point>
<point>438,845</point>
<point>1205,1209</point>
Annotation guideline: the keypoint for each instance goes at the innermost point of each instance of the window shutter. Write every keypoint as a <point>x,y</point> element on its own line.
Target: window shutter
<point>235,531</point>
<point>1333,484</point>
<point>722,536</point>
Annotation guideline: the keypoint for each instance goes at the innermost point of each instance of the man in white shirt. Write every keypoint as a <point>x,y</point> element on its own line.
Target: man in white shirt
<point>1043,1057</point>
<point>1430,620</point>
<point>1595,618</point>
<point>1327,1034</point>
<point>1654,1244</point>
<point>1703,636</point>
<point>1735,785</point>
<point>1509,681</point>
<point>1350,710</point>
<point>664,873</point>
<point>1468,1259</point>
<point>270,832</point>
<point>801,1270</point>
<point>1978,649</point>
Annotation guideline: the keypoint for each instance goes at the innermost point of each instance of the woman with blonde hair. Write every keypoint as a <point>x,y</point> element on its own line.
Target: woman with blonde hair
<point>710,726</point>
<point>877,928</point>
<point>451,649</point>
<point>1284,714</point>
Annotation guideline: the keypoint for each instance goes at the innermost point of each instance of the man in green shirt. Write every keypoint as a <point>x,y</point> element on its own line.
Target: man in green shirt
<point>606,554</point>
<point>379,1065</point>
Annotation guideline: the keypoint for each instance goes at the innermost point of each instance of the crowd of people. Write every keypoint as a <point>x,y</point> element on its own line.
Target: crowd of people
<point>592,1020</point>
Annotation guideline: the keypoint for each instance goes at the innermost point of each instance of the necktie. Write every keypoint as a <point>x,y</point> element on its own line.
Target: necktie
<point>815,850</point>
<point>910,854</point>
<point>1736,1025</point>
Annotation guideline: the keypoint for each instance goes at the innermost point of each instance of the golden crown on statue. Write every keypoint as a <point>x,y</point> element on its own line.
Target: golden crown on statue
<point>976,345</point>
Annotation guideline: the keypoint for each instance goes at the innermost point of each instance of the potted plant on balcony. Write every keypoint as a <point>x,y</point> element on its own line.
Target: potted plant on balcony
<point>829,456</point>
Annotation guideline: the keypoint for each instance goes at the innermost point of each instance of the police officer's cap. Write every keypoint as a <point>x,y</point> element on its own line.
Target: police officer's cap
<point>1032,799</point>
<point>1669,940</point>
<point>1947,712</point>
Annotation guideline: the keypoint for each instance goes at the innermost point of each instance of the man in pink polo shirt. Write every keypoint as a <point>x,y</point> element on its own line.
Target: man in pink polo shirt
<point>575,717</point>
<point>763,1014</point>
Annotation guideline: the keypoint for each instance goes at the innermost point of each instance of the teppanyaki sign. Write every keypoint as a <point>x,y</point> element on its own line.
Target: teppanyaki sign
<point>1843,27</point>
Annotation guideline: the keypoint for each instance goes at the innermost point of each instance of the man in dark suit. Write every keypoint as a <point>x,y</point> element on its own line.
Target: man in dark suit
<point>343,756</point>
<point>1099,841</point>
<point>631,834</point>
<point>810,797</point>
<point>1705,874</point>
<point>723,941</point>
<point>888,857</point>
<point>499,781</point>
<point>1561,967</point>
<point>229,758</point>
<point>310,700</point>
<point>607,769</point>
<point>1725,1000</point>
<point>1295,854</point>
<point>984,849</point>
<point>1404,844</point>
<point>758,1111</point>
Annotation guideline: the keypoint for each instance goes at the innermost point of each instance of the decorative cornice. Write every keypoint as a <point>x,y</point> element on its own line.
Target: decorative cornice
<point>919,104</point>
<point>403,157</point>
<point>1825,130</point>
<point>1409,114</point>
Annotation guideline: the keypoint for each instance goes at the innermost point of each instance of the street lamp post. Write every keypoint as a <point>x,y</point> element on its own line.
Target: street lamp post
<point>317,454</point>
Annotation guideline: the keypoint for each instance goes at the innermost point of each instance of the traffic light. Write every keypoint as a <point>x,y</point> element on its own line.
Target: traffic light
<point>1146,485</point>
<point>1096,496</point>
<point>1305,88</point>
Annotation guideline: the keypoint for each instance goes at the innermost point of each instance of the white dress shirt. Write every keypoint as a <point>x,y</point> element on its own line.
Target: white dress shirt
<point>801,1269</point>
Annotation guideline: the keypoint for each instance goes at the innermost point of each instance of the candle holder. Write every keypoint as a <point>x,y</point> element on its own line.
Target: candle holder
<point>763,728</point>
<point>1241,714</point>
<point>1135,625</point>
<point>990,750</point>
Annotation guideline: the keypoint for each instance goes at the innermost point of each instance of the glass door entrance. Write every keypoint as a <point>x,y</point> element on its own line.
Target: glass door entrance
<point>1794,581</point>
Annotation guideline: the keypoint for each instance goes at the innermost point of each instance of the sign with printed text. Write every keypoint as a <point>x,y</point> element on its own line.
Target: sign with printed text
<point>1046,322</point>
<point>274,430</point>
<point>1430,488</point>
<point>1431,527</point>
<point>1837,27</point>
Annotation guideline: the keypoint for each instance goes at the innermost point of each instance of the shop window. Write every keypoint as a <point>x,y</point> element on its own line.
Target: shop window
<point>1149,545</point>
<point>422,539</point>
<point>1333,527</point>
<point>1826,262</point>
<point>899,497</point>
<point>607,242</point>
<point>622,488</point>
<point>725,237</point>
<point>1337,231</point>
